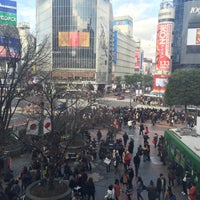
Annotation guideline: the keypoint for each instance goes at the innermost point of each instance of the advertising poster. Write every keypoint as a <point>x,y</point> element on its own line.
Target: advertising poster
<point>137,60</point>
<point>163,46</point>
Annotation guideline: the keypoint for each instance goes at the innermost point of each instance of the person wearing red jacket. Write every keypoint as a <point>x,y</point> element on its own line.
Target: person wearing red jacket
<point>193,192</point>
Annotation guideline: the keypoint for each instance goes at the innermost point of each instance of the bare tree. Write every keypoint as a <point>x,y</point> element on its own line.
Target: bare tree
<point>16,68</point>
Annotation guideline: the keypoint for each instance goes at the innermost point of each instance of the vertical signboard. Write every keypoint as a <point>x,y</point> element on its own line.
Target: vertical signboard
<point>115,35</point>
<point>163,46</point>
<point>137,60</point>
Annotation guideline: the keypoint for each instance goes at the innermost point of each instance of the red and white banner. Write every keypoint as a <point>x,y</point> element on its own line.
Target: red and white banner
<point>163,46</point>
<point>47,126</point>
<point>33,127</point>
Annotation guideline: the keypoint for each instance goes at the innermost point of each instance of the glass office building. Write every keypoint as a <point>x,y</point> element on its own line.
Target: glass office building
<point>80,34</point>
<point>186,48</point>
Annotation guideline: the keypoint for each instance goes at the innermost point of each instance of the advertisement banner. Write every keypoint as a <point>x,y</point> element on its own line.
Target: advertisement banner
<point>8,18</point>
<point>74,39</point>
<point>137,60</point>
<point>160,81</point>
<point>163,46</point>
<point>115,35</point>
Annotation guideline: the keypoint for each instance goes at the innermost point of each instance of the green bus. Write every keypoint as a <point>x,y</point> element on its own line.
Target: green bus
<point>183,147</point>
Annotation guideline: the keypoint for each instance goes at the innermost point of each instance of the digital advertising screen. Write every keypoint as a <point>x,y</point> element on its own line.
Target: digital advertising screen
<point>160,81</point>
<point>190,49</point>
<point>74,39</point>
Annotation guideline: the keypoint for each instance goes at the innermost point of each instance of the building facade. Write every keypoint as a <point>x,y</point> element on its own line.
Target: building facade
<point>186,48</point>
<point>80,34</point>
<point>124,47</point>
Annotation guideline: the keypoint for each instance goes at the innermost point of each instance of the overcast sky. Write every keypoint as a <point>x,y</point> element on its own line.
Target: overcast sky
<point>143,12</point>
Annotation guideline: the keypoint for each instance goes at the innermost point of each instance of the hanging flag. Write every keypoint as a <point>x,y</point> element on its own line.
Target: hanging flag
<point>33,126</point>
<point>47,126</point>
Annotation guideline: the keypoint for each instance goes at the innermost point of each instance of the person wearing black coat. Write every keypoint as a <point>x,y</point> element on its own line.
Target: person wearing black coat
<point>136,161</point>
<point>90,189</point>
<point>161,186</point>
<point>131,146</point>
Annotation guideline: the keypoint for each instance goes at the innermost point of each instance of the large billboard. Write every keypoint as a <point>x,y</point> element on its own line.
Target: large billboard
<point>190,48</point>
<point>8,10</point>
<point>163,46</point>
<point>74,39</point>
<point>160,82</point>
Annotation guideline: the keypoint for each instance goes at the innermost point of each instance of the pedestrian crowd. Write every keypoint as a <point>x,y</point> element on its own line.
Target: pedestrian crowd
<point>116,154</point>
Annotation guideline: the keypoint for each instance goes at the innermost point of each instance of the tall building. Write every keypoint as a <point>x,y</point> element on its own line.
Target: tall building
<point>80,33</point>
<point>164,44</point>
<point>186,45</point>
<point>124,47</point>
<point>26,38</point>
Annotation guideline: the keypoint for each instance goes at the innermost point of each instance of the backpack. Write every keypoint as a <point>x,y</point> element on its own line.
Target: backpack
<point>173,197</point>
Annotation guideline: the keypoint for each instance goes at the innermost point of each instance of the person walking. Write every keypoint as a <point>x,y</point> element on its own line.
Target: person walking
<point>146,130</point>
<point>124,180</point>
<point>161,186</point>
<point>139,188</point>
<point>107,162</point>
<point>193,192</point>
<point>99,136</point>
<point>110,195</point>
<point>152,191</point>
<point>116,160</point>
<point>131,146</point>
<point>130,173</point>
<point>125,138</point>
<point>117,189</point>
<point>136,161</point>
<point>126,159</point>
<point>155,139</point>
<point>141,129</point>
<point>90,187</point>
<point>169,194</point>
